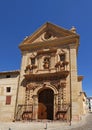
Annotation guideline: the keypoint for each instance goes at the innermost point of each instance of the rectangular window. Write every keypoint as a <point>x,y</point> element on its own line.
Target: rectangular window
<point>8,89</point>
<point>8,100</point>
<point>8,76</point>
<point>62,57</point>
<point>32,61</point>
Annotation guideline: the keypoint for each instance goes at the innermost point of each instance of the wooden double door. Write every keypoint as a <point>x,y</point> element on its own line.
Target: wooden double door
<point>45,104</point>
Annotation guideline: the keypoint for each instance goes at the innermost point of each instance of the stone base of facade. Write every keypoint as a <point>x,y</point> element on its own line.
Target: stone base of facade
<point>76,118</point>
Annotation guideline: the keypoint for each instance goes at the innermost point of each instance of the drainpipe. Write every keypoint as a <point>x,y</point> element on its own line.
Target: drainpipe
<point>16,98</point>
<point>70,89</point>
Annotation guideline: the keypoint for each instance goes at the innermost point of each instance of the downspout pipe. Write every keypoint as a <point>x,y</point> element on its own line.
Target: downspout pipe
<point>70,88</point>
<point>16,98</point>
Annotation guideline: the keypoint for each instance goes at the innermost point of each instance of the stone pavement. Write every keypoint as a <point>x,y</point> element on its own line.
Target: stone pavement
<point>85,124</point>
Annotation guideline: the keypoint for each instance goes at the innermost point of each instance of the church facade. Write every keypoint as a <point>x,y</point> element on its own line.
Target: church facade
<point>47,86</point>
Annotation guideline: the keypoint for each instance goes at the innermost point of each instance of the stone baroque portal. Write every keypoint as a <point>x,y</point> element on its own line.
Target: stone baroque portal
<point>49,81</point>
<point>48,86</point>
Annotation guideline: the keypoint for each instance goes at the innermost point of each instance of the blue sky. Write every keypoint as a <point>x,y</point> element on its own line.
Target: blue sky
<point>20,18</point>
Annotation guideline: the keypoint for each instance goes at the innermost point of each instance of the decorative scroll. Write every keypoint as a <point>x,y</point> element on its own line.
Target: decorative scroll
<point>29,68</point>
<point>31,86</point>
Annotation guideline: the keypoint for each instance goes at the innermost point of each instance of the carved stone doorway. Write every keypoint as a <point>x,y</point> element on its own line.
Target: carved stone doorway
<point>45,104</point>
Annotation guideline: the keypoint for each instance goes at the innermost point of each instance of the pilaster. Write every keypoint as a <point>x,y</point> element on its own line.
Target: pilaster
<point>21,92</point>
<point>73,83</point>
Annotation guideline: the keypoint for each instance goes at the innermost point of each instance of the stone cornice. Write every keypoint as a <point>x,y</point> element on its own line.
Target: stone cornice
<point>83,94</point>
<point>47,76</point>
<point>80,78</point>
<point>74,39</point>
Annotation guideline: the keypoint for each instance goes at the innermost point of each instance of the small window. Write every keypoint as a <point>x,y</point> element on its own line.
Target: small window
<point>8,100</point>
<point>62,57</point>
<point>8,89</point>
<point>8,76</point>
<point>32,61</point>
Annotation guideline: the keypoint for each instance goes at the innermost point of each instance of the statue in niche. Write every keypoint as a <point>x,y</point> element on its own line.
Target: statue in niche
<point>46,63</point>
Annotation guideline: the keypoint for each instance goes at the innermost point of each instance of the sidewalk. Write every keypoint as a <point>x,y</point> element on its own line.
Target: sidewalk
<point>44,125</point>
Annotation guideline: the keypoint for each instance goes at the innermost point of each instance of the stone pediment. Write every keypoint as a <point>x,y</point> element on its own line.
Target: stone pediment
<point>46,36</point>
<point>47,33</point>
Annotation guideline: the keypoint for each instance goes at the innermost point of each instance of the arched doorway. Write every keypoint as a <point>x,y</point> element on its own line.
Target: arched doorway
<point>45,104</point>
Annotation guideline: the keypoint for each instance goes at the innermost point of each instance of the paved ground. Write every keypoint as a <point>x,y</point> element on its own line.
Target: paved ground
<point>86,124</point>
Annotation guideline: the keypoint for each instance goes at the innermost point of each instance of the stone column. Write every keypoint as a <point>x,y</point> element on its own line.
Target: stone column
<point>24,63</point>
<point>55,105</point>
<point>52,64</point>
<point>40,63</point>
<point>35,107</point>
<point>59,99</point>
<point>21,89</point>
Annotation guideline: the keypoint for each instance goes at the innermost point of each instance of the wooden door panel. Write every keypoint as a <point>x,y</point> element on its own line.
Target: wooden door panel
<point>42,113</point>
<point>45,106</point>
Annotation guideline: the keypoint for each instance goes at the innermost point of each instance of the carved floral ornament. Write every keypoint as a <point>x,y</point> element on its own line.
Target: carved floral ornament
<point>62,58</point>
<point>31,86</point>
<point>33,55</point>
<point>61,55</point>
<point>61,51</point>
<point>57,51</point>
<point>47,36</point>
<point>44,85</point>
<point>30,67</point>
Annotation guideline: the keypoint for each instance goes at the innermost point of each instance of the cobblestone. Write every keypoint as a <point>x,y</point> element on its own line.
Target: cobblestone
<point>85,124</point>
